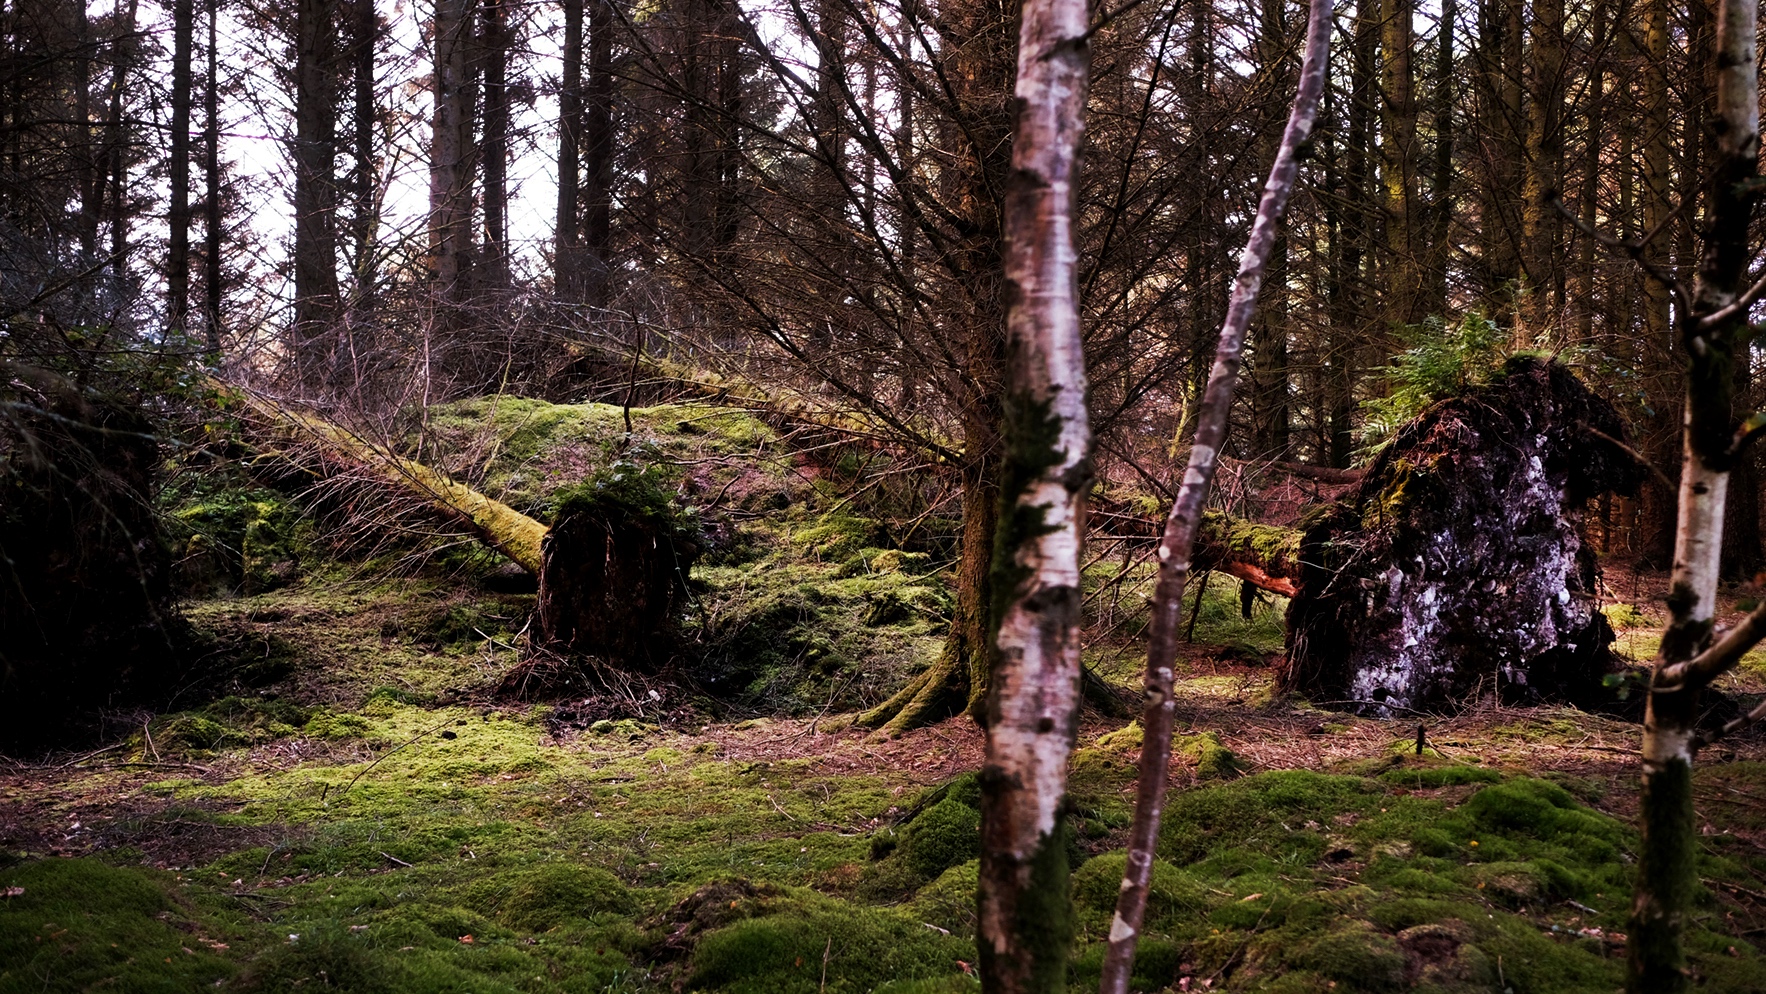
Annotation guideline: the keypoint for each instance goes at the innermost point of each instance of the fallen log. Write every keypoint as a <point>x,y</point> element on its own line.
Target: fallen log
<point>496,524</point>
<point>1265,556</point>
<point>1457,569</point>
<point>612,568</point>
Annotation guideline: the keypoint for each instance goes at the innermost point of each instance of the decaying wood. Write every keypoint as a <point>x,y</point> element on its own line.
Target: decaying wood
<point>1186,510</point>
<point>1025,921</point>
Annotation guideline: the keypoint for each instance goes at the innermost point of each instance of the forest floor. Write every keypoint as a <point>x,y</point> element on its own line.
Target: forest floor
<point>354,807</point>
<point>380,824</point>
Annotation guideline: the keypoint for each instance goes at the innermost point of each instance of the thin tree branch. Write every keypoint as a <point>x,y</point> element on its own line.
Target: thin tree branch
<point>1181,526</point>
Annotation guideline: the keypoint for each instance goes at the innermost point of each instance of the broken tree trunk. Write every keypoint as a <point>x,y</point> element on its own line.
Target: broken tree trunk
<point>612,569</point>
<point>496,524</point>
<point>1457,568</point>
<point>613,574</point>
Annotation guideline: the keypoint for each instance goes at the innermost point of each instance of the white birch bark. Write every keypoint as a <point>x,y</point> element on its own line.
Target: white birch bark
<point>1178,542</point>
<point>1024,922</point>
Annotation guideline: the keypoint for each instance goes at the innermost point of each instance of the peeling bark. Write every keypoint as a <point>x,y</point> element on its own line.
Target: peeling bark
<point>1025,924</point>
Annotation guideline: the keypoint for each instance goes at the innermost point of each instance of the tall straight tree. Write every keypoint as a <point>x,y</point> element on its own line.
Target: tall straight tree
<point>1398,159</point>
<point>494,149</point>
<point>451,165</point>
<point>178,214</point>
<point>315,185</point>
<point>1024,926</point>
<point>1541,224</point>
<point>597,225</point>
<point>567,230</point>
<point>212,288</point>
<point>365,217</point>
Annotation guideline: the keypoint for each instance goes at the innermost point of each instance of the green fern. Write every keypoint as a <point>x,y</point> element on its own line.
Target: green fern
<point>1441,361</point>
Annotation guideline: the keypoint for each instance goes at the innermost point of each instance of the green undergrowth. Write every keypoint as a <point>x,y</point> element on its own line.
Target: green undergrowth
<point>463,849</point>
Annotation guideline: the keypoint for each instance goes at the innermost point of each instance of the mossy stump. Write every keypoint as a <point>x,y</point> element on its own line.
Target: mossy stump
<point>1457,568</point>
<point>613,573</point>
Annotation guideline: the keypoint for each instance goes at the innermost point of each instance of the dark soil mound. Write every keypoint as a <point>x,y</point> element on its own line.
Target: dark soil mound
<point>1457,568</point>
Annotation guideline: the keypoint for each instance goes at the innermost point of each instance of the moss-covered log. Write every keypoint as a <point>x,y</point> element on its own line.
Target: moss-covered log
<point>1265,556</point>
<point>1457,567</point>
<point>497,524</point>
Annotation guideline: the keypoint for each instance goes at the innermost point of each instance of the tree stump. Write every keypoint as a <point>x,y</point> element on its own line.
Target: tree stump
<point>1457,568</point>
<point>613,574</point>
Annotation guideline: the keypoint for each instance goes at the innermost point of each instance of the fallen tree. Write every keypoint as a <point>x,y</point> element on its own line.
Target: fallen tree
<point>1457,567</point>
<point>612,567</point>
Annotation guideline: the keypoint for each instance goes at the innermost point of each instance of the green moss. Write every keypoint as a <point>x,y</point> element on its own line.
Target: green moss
<point>543,897</point>
<point>949,901</point>
<point>783,947</point>
<point>240,540</point>
<point>1214,761</point>
<point>81,925</point>
<point>1358,958</point>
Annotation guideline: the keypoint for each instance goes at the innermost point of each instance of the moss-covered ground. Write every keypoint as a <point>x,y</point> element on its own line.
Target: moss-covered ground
<point>345,804</point>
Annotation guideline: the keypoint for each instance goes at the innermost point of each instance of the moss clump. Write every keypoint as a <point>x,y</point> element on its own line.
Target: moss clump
<point>792,942</point>
<point>1214,761</point>
<point>1358,957</point>
<point>943,831</point>
<point>546,896</point>
<point>240,541</point>
<point>79,925</point>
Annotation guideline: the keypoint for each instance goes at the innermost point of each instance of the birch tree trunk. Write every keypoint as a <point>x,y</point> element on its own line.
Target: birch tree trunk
<point>1025,924</point>
<point>1186,512</point>
<point>1714,330</point>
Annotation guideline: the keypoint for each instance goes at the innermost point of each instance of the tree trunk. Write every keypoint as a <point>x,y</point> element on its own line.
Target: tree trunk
<point>450,156</point>
<point>1398,158</point>
<point>178,213</point>
<point>1025,923</point>
<point>315,189</point>
<point>978,54</point>
<point>1500,52</point>
<point>598,152</point>
<point>366,213</point>
<point>1441,199</point>
<point>567,232</point>
<point>1186,511</point>
<point>1541,224</point>
<point>1269,339</point>
<point>494,150</point>
<point>212,288</point>
<point>1715,333</point>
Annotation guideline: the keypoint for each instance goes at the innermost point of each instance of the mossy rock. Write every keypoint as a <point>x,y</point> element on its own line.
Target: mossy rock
<point>1096,884</point>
